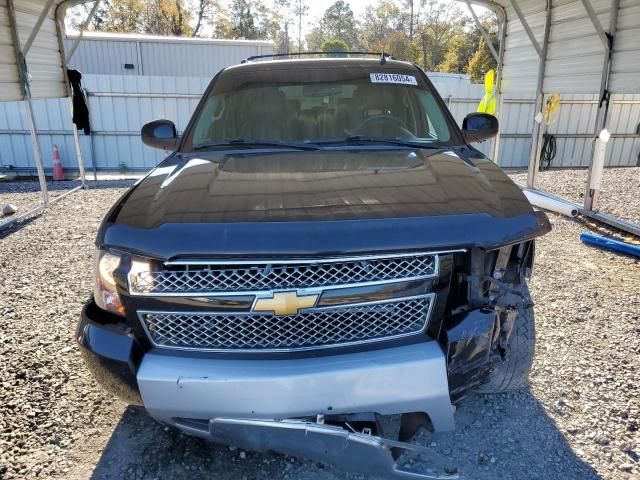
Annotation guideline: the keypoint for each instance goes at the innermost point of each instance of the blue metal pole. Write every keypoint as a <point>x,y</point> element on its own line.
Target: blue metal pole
<point>610,244</point>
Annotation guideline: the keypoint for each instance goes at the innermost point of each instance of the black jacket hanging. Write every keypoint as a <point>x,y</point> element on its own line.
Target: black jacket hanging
<point>80,108</point>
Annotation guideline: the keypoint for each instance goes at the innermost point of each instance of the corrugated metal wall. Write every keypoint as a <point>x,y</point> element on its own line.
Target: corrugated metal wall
<point>120,105</point>
<point>157,56</point>
<point>521,61</point>
<point>575,54</point>
<point>625,69</point>
<point>43,59</point>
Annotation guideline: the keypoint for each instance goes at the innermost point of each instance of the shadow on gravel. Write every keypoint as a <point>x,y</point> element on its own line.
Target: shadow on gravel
<point>17,226</point>
<point>32,186</point>
<point>506,436</point>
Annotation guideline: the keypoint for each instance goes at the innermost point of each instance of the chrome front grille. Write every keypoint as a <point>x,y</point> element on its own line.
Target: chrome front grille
<point>310,329</point>
<point>221,277</point>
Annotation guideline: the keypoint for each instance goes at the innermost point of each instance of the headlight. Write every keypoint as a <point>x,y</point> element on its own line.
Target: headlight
<point>105,292</point>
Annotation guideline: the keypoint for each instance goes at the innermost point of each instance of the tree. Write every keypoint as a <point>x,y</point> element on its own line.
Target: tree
<point>208,12</point>
<point>242,20</point>
<point>122,16</point>
<point>439,24</point>
<point>334,46</point>
<point>167,17</point>
<point>379,24</point>
<point>455,60</point>
<point>315,38</point>
<point>300,10</point>
<point>284,16</point>
<point>339,23</point>
<point>481,62</point>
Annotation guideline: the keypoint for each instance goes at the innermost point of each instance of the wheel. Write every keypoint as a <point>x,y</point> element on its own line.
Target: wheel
<point>513,372</point>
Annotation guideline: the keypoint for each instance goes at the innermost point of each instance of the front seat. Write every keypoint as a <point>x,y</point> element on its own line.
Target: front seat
<point>268,120</point>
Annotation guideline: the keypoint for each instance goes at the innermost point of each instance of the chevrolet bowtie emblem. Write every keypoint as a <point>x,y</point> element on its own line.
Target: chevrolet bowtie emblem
<point>285,303</point>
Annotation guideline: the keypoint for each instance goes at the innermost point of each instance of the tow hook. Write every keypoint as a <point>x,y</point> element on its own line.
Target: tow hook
<point>357,452</point>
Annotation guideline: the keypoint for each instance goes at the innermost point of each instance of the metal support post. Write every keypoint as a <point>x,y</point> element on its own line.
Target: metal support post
<point>23,73</point>
<point>536,135</point>
<point>595,168</point>
<point>84,26</point>
<point>76,141</point>
<point>502,32</point>
<point>91,141</point>
<point>596,23</point>
<point>36,28</point>
<point>483,32</point>
<point>65,61</point>
<point>37,154</point>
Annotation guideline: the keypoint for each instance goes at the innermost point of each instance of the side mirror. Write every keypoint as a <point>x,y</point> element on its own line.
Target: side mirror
<point>478,126</point>
<point>160,134</point>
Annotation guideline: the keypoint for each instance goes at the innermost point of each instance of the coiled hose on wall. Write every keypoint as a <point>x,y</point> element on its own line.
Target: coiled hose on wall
<point>548,152</point>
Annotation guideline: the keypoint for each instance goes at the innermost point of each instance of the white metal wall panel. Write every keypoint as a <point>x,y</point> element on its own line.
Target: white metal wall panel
<point>156,56</point>
<point>575,54</point>
<point>100,57</point>
<point>521,61</point>
<point>193,58</point>
<point>625,69</point>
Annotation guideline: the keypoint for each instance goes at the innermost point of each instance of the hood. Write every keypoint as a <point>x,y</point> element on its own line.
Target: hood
<point>317,186</point>
<point>255,191</point>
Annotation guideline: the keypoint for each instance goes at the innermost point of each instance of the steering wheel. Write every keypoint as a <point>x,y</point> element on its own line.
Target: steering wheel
<point>395,126</point>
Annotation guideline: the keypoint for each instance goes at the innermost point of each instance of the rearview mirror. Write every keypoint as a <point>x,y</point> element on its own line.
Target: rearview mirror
<point>478,126</point>
<point>160,134</point>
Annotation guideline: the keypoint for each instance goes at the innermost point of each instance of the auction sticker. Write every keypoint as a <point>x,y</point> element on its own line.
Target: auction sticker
<point>393,78</point>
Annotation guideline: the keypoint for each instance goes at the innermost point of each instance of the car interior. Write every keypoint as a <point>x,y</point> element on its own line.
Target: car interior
<point>320,112</point>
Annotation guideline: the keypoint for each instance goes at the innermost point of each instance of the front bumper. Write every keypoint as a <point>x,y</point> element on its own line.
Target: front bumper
<point>173,388</point>
<point>410,378</point>
<point>110,352</point>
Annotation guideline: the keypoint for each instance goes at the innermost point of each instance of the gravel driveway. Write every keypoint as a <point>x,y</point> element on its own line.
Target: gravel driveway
<point>579,420</point>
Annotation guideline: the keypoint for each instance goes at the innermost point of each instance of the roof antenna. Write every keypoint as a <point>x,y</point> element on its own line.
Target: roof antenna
<point>383,58</point>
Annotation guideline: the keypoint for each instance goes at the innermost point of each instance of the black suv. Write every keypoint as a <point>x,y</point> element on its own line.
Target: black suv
<point>322,266</point>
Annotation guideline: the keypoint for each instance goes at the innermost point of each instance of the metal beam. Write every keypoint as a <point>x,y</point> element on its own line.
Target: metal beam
<point>600,217</point>
<point>484,33</point>
<point>595,169</point>
<point>74,129</point>
<point>84,26</point>
<point>501,14</point>
<point>32,211</point>
<point>596,23</point>
<point>536,135</point>
<point>24,77</point>
<point>36,28</point>
<point>527,28</point>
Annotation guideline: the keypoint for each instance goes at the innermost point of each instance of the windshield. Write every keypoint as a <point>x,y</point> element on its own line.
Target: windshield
<point>298,104</point>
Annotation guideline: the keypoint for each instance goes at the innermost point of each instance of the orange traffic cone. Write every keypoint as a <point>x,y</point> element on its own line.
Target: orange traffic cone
<point>58,173</point>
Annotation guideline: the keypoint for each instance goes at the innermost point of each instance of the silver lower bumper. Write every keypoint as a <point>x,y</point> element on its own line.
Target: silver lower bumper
<point>353,452</point>
<point>410,378</point>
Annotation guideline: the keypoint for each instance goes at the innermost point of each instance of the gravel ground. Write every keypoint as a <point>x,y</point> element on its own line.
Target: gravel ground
<point>619,195</point>
<point>579,420</point>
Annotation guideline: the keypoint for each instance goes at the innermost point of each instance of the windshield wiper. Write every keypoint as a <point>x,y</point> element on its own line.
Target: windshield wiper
<point>380,140</point>
<point>241,143</point>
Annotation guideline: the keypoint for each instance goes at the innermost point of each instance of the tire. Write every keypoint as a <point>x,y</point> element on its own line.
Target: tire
<point>513,372</point>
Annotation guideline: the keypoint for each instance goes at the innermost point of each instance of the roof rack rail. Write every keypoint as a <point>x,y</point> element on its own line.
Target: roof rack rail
<point>383,55</point>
